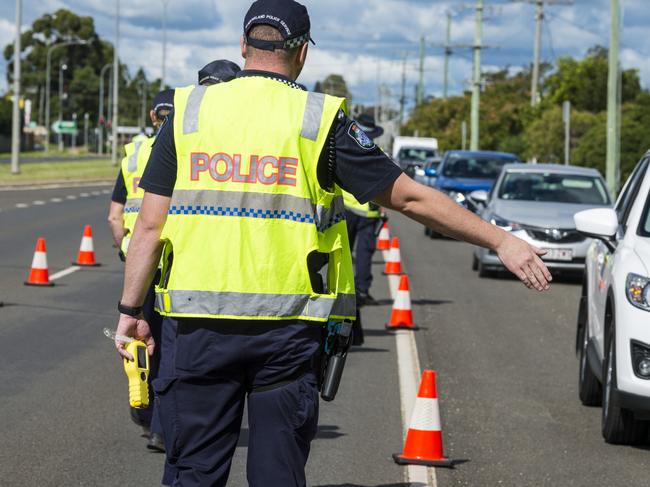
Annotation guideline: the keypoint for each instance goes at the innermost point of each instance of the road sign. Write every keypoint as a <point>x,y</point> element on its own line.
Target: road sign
<point>65,127</point>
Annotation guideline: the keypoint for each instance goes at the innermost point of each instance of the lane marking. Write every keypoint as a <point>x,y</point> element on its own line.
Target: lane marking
<point>95,193</point>
<point>22,205</point>
<point>71,197</point>
<point>106,191</point>
<point>65,272</point>
<point>38,203</point>
<point>56,200</point>
<point>408,365</point>
<point>84,195</point>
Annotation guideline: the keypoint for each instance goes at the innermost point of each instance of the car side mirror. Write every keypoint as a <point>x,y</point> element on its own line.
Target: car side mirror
<point>599,223</point>
<point>431,172</point>
<point>479,196</point>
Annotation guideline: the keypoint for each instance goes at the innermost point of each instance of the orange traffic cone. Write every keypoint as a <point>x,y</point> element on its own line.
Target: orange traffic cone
<point>383,241</point>
<point>423,444</point>
<point>402,315</point>
<point>86,255</point>
<point>39,275</point>
<point>394,261</point>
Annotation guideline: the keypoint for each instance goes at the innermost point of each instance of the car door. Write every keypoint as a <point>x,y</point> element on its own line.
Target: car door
<point>603,260</point>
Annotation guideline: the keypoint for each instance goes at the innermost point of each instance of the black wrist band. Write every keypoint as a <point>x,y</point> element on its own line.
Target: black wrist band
<point>128,310</point>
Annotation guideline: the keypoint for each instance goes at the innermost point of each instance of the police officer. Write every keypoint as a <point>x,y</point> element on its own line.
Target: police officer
<point>123,213</point>
<point>242,203</point>
<point>362,221</point>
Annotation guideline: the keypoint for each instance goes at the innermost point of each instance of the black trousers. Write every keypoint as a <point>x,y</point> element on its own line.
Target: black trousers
<point>361,231</point>
<point>218,365</point>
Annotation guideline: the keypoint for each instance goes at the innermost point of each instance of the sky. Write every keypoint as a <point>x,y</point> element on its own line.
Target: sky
<point>364,40</point>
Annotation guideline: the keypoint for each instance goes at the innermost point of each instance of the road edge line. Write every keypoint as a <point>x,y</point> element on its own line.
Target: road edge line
<point>408,367</point>
<point>65,272</point>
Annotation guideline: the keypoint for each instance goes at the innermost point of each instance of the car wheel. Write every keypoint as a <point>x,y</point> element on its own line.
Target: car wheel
<point>589,389</point>
<point>618,424</point>
<point>474,262</point>
<point>483,271</point>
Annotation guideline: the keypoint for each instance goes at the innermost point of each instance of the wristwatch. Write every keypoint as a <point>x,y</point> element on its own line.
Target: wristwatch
<point>128,310</point>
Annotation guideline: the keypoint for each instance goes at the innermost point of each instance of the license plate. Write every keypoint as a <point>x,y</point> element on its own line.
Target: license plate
<point>558,254</point>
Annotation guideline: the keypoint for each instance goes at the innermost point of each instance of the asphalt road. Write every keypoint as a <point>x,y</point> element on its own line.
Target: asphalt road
<point>504,357</point>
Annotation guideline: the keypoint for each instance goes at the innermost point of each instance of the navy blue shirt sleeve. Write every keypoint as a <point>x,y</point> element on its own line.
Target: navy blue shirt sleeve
<point>362,168</point>
<point>119,191</point>
<point>160,174</point>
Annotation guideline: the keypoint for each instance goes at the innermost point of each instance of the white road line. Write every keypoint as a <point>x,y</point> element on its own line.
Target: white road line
<point>22,205</point>
<point>71,197</point>
<point>64,272</point>
<point>95,193</point>
<point>38,203</point>
<point>106,191</point>
<point>84,195</point>
<point>408,365</point>
<point>56,200</point>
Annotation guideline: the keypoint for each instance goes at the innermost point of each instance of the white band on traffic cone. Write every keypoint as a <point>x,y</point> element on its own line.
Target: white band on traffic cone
<point>426,415</point>
<point>87,244</point>
<point>39,261</point>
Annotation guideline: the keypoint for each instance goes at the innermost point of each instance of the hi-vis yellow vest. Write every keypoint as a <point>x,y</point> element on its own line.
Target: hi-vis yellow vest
<point>248,218</point>
<point>368,210</point>
<point>133,166</point>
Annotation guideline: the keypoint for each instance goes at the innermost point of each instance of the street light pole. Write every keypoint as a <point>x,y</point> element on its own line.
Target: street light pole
<point>116,74</point>
<point>48,82</point>
<point>476,82</point>
<point>15,120</point>
<point>613,102</point>
<point>100,143</point>
<point>62,68</point>
<point>164,45</point>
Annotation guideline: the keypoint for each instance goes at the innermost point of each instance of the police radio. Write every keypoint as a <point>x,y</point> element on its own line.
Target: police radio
<point>137,370</point>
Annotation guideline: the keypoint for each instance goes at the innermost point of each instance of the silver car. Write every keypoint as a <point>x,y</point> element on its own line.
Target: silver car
<point>536,202</point>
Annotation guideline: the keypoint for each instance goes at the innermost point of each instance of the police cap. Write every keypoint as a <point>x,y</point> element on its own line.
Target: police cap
<point>220,71</point>
<point>163,103</point>
<point>288,16</point>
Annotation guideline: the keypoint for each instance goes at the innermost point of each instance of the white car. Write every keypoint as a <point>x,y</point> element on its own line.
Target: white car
<point>613,332</point>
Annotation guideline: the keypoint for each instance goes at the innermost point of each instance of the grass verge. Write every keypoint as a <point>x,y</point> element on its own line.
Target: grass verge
<point>44,172</point>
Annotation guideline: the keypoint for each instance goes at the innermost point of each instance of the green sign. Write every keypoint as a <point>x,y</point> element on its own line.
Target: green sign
<point>65,127</point>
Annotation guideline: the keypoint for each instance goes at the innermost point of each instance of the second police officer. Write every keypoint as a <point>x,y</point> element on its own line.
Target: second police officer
<point>241,201</point>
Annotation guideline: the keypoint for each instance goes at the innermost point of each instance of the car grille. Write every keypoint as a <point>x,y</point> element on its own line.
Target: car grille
<point>555,235</point>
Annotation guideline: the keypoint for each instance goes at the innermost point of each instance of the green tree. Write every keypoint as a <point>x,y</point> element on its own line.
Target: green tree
<point>584,82</point>
<point>334,85</point>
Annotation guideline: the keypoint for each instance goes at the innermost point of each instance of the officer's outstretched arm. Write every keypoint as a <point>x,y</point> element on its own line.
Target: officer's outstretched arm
<point>436,210</point>
<point>141,264</point>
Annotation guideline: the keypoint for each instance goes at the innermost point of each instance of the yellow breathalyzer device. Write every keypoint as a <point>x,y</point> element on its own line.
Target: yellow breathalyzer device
<point>137,371</point>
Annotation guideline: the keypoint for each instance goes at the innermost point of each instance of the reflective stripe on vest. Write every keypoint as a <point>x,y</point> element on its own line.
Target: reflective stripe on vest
<point>133,205</point>
<point>313,115</point>
<point>191,118</point>
<point>277,306</point>
<point>256,205</point>
<point>365,210</point>
<point>133,158</point>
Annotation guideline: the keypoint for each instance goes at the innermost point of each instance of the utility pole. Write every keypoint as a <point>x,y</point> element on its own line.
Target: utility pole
<point>420,91</point>
<point>402,98</point>
<point>476,82</point>
<point>143,115</point>
<point>100,142</point>
<point>613,101</point>
<point>163,78</point>
<point>63,67</point>
<point>566,117</point>
<point>15,118</point>
<point>447,55</point>
<point>116,78</point>
<point>539,17</point>
<point>378,102</point>
<point>463,135</point>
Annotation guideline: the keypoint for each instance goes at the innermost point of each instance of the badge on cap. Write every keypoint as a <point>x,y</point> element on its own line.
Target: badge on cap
<point>360,137</point>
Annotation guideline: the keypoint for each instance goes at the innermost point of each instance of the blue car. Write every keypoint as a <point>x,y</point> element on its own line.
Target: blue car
<point>462,172</point>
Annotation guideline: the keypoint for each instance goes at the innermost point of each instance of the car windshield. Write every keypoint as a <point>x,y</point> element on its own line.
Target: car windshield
<point>474,167</point>
<point>553,188</point>
<point>416,153</point>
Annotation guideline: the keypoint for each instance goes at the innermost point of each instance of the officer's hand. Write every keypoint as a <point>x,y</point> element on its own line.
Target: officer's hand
<point>523,260</point>
<point>136,328</point>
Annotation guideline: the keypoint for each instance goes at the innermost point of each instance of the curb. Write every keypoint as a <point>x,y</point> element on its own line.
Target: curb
<point>69,183</point>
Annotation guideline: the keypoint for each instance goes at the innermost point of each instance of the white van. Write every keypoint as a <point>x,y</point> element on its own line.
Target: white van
<point>414,151</point>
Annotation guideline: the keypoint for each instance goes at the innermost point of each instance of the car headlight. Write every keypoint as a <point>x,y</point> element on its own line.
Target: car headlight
<point>508,226</point>
<point>637,289</point>
<point>457,197</point>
